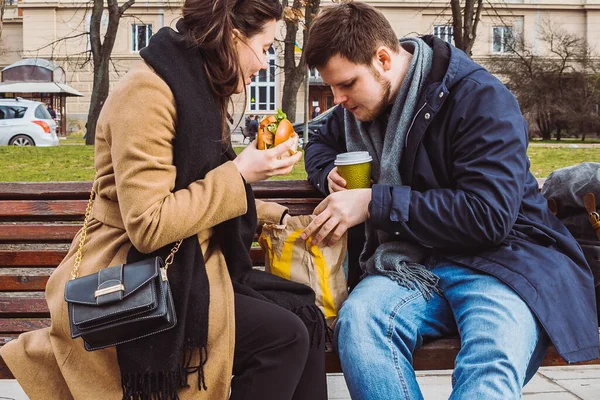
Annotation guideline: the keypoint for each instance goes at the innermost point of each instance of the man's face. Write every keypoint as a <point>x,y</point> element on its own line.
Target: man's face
<point>359,88</point>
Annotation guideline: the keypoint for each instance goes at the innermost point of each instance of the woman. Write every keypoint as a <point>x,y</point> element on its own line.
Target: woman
<point>165,171</point>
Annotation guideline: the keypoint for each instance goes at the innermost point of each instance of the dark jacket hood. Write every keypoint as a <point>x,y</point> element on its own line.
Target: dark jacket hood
<point>450,65</point>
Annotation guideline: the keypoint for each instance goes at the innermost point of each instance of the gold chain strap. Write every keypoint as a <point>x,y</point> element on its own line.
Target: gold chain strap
<point>88,211</point>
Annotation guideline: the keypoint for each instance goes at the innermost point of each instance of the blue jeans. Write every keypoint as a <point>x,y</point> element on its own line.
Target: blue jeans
<point>382,324</point>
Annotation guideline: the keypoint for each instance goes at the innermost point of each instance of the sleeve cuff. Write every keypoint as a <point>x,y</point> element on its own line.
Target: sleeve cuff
<point>270,213</point>
<point>389,206</point>
<point>325,183</point>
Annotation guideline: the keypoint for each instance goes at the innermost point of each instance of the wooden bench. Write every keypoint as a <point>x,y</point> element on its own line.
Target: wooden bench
<point>39,220</point>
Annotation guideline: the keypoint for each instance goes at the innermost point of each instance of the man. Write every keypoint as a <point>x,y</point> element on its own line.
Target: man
<point>458,239</point>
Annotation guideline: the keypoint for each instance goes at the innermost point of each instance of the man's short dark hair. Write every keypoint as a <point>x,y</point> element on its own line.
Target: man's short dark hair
<point>352,30</point>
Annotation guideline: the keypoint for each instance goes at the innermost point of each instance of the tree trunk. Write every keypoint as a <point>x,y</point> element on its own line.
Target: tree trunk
<point>99,95</point>
<point>101,52</point>
<point>290,92</point>
<point>544,126</point>
<point>295,74</point>
<point>464,23</point>
<point>2,7</point>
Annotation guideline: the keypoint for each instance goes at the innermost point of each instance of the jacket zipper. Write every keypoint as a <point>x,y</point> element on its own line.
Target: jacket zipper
<point>412,123</point>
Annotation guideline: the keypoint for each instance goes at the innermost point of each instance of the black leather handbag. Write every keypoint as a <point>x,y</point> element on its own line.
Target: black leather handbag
<point>120,303</point>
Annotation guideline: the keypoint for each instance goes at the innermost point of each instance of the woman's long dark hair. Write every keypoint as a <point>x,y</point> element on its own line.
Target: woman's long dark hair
<point>210,25</point>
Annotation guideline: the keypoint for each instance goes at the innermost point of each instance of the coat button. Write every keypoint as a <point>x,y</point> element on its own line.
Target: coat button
<point>441,94</point>
<point>397,233</point>
<point>427,115</point>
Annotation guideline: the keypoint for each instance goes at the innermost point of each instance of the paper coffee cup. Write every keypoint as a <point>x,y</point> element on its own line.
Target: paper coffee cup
<point>355,168</point>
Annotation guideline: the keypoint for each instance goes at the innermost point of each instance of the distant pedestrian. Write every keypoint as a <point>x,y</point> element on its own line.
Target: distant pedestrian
<point>51,111</point>
<point>316,112</point>
<point>253,127</point>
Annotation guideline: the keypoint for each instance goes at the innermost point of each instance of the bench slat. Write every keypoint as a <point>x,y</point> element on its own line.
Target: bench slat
<point>31,258</point>
<point>301,206</point>
<point>25,307</point>
<point>45,190</point>
<point>11,325</point>
<point>23,282</point>
<point>81,190</point>
<point>44,233</point>
<point>28,210</point>
<point>38,233</point>
<point>51,258</point>
<point>74,210</point>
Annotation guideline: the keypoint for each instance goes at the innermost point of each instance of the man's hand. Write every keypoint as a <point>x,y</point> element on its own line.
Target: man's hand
<point>337,213</point>
<point>335,181</point>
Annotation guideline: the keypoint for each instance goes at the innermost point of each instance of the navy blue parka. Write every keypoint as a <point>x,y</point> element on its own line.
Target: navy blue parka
<point>468,195</point>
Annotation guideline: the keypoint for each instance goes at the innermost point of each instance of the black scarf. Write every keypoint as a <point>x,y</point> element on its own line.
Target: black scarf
<point>157,366</point>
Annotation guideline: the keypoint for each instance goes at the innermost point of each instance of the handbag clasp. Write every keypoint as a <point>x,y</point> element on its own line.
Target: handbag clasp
<point>108,290</point>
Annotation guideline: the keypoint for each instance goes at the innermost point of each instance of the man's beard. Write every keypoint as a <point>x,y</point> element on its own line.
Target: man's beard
<point>386,88</point>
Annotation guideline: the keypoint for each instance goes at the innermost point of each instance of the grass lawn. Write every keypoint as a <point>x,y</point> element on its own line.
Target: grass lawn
<point>46,164</point>
<point>545,160</point>
<point>567,141</point>
<point>76,163</point>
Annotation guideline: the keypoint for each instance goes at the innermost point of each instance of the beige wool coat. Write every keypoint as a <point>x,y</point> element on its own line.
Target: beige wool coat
<point>135,204</point>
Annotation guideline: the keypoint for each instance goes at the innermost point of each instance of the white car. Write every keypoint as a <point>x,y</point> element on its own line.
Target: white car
<point>26,123</point>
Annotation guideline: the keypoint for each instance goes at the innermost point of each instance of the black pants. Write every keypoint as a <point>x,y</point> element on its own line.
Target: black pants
<point>273,358</point>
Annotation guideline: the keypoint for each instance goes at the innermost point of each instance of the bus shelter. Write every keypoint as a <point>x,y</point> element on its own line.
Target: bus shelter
<point>40,80</point>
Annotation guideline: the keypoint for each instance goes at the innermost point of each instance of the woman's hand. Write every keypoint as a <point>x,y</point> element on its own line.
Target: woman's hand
<point>257,165</point>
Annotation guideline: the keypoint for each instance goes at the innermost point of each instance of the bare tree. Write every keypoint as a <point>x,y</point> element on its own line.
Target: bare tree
<point>2,8</point>
<point>297,16</point>
<point>559,90</point>
<point>101,52</point>
<point>466,15</point>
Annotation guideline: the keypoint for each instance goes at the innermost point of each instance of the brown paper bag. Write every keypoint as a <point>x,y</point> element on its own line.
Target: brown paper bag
<point>320,267</point>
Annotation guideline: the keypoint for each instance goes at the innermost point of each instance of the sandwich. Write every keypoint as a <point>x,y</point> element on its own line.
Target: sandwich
<point>274,130</point>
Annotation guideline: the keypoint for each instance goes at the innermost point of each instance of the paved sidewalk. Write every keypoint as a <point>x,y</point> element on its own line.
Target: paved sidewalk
<point>550,383</point>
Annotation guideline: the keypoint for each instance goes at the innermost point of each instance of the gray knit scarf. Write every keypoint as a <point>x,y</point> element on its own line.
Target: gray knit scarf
<point>383,253</point>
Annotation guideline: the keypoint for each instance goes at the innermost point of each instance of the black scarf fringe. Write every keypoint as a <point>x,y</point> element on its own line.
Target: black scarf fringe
<point>314,320</point>
<point>164,385</point>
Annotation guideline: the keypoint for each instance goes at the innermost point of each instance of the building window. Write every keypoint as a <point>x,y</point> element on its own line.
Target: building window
<point>444,32</point>
<point>502,39</point>
<point>263,89</point>
<point>140,35</point>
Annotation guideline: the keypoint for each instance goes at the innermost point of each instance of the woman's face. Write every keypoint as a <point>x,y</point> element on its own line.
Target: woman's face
<point>252,52</point>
